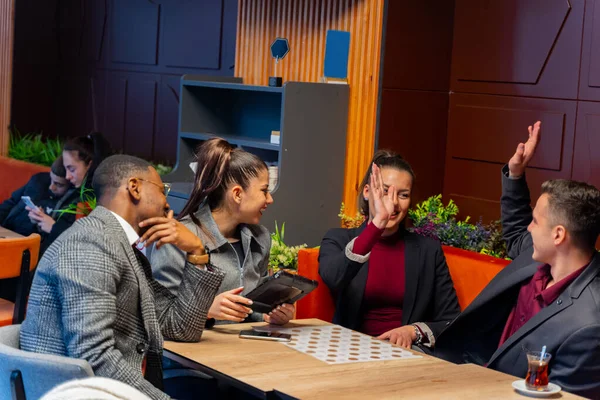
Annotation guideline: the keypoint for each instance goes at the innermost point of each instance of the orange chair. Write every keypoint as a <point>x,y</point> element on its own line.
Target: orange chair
<point>18,257</point>
<point>471,272</point>
<point>318,303</point>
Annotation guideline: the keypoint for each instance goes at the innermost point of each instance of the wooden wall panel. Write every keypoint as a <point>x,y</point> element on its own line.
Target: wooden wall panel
<point>488,133</point>
<point>413,124</point>
<point>586,163</point>
<point>518,47</point>
<point>6,63</point>
<point>589,84</point>
<point>305,23</point>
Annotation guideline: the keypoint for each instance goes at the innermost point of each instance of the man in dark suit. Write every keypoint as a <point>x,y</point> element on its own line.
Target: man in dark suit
<point>549,295</point>
<point>93,296</point>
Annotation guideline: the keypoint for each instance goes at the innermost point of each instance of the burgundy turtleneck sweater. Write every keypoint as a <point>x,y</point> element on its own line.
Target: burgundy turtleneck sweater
<point>384,293</point>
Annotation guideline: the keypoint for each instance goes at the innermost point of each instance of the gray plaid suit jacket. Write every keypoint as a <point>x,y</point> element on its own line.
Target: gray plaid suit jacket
<point>90,299</point>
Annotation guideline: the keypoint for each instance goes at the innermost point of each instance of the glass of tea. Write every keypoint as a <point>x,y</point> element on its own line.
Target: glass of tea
<point>537,370</point>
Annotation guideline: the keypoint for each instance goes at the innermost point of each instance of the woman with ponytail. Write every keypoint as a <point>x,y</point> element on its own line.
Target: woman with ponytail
<point>81,155</point>
<point>231,192</point>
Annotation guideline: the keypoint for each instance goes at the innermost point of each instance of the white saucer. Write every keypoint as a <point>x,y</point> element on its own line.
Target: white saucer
<point>520,387</point>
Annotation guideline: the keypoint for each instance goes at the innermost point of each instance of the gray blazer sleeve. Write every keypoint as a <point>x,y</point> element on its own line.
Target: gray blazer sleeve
<point>183,317</point>
<point>168,265</point>
<point>87,280</point>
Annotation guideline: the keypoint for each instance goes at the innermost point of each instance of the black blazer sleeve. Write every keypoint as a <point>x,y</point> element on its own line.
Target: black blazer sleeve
<point>445,302</point>
<point>335,268</point>
<point>516,214</point>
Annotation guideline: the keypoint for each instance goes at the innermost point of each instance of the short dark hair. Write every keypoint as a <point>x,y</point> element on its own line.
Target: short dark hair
<point>576,206</point>
<point>383,159</point>
<point>111,173</point>
<point>58,167</point>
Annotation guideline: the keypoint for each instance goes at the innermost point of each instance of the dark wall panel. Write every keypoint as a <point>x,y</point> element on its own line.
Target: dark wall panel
<point>489,134</point>
<point>114,66</point>
<point>414,97</point>
<point>168,108</point>
<point>517,47</point>
<point>413,124</point>
<point>589,85</point>
<point>418,45</point>
<point>140,117</point>
<point>586,162</point>
<point>483,133</point>
<point>187,49</point>
<point>134,31</point>
<point>115,103</point>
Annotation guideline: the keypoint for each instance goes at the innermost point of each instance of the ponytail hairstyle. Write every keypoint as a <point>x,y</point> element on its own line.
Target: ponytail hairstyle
<point>220,165</point>
<point>383,159</point>
<point>92,149</point>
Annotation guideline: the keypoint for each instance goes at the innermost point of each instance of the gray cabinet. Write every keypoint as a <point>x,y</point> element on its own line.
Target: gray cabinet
<point>312,121</point>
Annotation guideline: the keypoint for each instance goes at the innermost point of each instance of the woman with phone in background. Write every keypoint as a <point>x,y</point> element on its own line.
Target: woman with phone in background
<point>231,192</point>
<point>388,282</point>
<point>81,155</point>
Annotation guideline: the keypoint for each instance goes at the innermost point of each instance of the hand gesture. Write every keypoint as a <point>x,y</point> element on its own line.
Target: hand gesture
<point>403,336</point>
<point>41,219</point>
<point>168,230</point>
<point>525,151</point>
<point>229,306</point>
<point>280,315</point>
<point>382,203</point>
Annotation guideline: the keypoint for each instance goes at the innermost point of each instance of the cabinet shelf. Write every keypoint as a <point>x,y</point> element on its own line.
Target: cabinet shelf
<point>243,141</point>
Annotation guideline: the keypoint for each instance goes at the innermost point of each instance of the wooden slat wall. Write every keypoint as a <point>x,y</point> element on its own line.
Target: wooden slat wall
<point>7,18</point>
<point>305,23</point>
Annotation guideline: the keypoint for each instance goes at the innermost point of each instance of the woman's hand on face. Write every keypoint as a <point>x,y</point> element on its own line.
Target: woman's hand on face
<point>280,315</point>
<point>403,336</point>
<point>382,203</point>
<point>230,306</point>
<point>165,230</point>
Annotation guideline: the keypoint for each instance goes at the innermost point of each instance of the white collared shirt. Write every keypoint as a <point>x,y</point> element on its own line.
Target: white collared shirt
<point>132,235</point>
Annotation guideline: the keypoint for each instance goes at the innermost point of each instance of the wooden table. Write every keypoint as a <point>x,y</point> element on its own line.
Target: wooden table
<point>8,234</point>
<point>261,367</point>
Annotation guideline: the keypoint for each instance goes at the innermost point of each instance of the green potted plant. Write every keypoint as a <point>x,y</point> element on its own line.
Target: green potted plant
<point>33,147</point>
<point>85,206</point>
<point>282,256</point>
<point>431,218</point>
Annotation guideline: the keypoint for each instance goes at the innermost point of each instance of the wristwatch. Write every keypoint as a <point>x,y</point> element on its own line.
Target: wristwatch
<point>198,259</point>
<point>419,335</point>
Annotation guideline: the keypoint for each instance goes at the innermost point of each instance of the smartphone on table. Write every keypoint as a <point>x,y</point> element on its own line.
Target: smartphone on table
<point>275,336</point>
<point>28,202</point>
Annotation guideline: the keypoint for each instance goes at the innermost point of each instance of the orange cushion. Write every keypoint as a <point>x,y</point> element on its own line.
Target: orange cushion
<point>14,174</point>
<point>6,312</point>
<point>319,302</point>
<point>471,272</point>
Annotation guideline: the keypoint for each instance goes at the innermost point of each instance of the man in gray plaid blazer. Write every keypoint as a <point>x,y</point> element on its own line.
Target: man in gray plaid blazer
<point>93,296</point>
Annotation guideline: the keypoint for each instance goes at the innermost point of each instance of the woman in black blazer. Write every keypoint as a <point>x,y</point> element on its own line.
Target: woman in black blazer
<point>388,282</point>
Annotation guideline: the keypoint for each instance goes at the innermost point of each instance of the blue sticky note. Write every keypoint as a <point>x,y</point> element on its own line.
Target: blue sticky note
<point>337,50</point>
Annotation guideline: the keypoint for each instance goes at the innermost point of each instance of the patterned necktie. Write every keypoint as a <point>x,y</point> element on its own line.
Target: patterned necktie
<point>153,356</point>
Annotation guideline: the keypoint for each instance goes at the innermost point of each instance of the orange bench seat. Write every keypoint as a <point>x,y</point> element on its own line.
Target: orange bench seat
<point>470,272</point>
